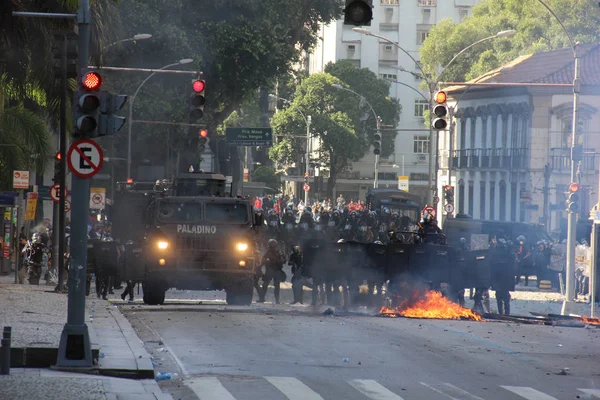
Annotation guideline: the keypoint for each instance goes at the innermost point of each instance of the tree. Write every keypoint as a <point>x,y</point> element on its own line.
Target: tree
<point>364,82</point>
<point>341,144</point>
<point>240,46</point>
<point>268,176</point>
<point>536,30</point>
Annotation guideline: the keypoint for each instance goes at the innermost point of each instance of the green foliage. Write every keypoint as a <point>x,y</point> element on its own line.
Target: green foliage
<point>536,30</point>
<point>268,176</point>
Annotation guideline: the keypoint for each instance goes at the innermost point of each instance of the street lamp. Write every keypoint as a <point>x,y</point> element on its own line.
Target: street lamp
<point>130,119</point>
<point>432,85</point>
<point>378,125</point>
<point>139,36</point>
<point>308,121</point>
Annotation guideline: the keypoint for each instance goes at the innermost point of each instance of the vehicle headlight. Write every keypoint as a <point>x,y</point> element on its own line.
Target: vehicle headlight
<point>162,245</point>
<point>242,246</point>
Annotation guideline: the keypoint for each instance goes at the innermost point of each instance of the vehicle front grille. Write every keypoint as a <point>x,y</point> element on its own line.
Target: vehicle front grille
<point>201,243</point>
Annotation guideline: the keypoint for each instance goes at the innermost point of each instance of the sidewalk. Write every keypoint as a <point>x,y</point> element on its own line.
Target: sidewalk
<point>37,315</point>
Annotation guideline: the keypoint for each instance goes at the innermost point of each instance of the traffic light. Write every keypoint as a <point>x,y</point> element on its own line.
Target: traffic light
<point>306,176</point>
<point>377,143</point>
<point>66,42</point>
<point>573,200</point>
<point>202,140</point>
<point>57,160</point>
<point>109,104</point>
<point>87,105</point>
<point>449,194</point>
<point>358,12</point>
<point>197,99</point>
<point>440,111</point>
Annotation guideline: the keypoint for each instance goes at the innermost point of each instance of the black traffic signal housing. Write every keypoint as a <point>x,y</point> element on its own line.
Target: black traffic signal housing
<point>108,123</point>
<point>203,140</point>
<point>65,43</point>
<point>358,12</point>
<point>449,194</point>
<point>377,143</point>
<point>306,177</point>
<point>197,99</point>
<point>573,199</point>
<point>87,105</point>
<point>440,112</point>
<point>57,160</point>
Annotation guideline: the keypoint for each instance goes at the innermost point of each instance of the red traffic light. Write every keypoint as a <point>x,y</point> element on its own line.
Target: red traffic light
<point>91,81</point>
<point>440,97</point>
<point>129,180</point>
<point>203,133</point>
<point>198,86</point>
<point>573,187</point>
<point>57,156</point>
<point>448,187</point>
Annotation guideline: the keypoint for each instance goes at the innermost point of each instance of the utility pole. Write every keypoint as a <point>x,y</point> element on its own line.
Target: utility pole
<point>307,172</point>
<point>546,213</point>
<point>376,180</point>
<point>75,349</point>
<point>431,184</point>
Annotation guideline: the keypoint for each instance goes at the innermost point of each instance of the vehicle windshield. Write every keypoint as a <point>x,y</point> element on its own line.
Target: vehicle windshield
<point>179,212</point>
<point>230,213</point>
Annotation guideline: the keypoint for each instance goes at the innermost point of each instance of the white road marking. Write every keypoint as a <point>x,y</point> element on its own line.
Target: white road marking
<point>451,391</point>
<point>292,388</point>
<point>208,388</point>
<point>528,393</point>
<point>592,392</point>
<point>373,390</point>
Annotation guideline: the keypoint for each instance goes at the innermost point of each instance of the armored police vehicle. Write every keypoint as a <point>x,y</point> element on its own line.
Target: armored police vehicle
<point>192,239</point>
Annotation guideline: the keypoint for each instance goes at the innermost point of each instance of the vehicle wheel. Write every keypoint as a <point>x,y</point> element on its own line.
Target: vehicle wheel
<point>154,294</point>
<point>240,294</point>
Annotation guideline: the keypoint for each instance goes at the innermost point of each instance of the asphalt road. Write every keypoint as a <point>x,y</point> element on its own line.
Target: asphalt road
<point>282,352</point>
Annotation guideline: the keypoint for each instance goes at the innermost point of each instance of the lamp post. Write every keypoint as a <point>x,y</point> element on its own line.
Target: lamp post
<point>130,119</point>
<point>378,126</point>
<point>139,36</point>
<point>308,120</point>
<point>432,84</point>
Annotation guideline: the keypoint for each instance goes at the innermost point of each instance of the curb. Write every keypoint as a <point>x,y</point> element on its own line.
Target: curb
<point>39,357</point>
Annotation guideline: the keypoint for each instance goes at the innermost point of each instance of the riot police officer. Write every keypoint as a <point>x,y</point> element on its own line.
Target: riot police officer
<point>502,275</point>
<point>298,277</point>
<point>273,261</point>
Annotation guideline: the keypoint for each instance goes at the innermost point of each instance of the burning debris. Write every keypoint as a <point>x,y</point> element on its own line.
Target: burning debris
<point>591,321</point>
<point>432,305</point>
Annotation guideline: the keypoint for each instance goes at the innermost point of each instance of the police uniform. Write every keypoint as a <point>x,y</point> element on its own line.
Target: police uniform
<point>273,261</point>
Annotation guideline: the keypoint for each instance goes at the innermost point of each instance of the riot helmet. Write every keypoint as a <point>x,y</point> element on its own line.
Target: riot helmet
<point>272,243</point>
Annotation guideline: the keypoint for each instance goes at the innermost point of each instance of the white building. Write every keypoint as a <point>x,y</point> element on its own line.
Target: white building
<point>407,23</point>
<point>510,149</point>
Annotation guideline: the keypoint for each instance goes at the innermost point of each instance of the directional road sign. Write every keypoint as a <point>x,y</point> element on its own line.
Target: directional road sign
<point>429,210</point>
<point>249,136</point>
<point>85,158</point>
<point>449,208</point>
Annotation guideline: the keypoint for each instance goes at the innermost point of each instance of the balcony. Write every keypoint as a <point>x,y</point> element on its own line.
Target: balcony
<point>560,160</point>
<point>504,159</point>
<point>426,3</point>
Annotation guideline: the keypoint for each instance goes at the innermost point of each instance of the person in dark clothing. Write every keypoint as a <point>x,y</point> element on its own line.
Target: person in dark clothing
<point>502,275</point>
<point>524,260</point>
<point>298,276</point>
<point>128,290</point>
<point>273,261</point>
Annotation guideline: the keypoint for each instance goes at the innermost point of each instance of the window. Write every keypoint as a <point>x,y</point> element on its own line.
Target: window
<point>180,212</point>
<point>388,76</point>
<point>232,213</point>
<point>471,204</point>
<point>482,200</point>
<point>421,36</point>
<point>421,144</point>
<point>426,3</point>
<point>461,197</point>
<point>420,107</point>
<point>462,14</point>
<point>502,201</point>
<point>388,176</point>
<point>390,2</point>
<point>492,200</point>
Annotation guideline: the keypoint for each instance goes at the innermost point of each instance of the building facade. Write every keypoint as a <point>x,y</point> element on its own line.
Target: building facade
<point>407,23</point>
<point>508,156</point>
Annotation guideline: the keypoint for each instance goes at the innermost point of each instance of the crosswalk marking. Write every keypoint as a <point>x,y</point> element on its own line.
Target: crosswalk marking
<point>592,392</point>
<point>209,388</point>
<point>373,390</point>
<point>293,389</point>
<point>451,391</point>
<point>528,393</point>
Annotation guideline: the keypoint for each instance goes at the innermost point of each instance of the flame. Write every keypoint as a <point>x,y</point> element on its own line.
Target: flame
<point>433,305</point>
<point>591,321</point>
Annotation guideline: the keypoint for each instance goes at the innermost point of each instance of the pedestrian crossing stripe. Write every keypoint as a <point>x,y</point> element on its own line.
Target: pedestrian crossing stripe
<point>211,388</point>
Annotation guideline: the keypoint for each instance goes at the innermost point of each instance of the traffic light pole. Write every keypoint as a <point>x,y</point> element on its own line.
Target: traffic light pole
<point>376,180</point>
<point>75,350</point>
<point>62,177</point>
<point>307,172</point>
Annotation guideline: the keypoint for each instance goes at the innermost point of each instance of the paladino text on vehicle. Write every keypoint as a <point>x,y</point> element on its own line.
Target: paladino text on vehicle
<point>199,229</point>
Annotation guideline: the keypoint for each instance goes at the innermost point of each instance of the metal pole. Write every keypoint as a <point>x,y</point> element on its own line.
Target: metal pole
<point>403,165</point>
<point>5,351</point>
<point>308,122</point>
<point>430,182</point>
<point>593,266</point>
<point>75,349</point>
<point>129,125</point>
<point>20,211</point>
<point>376,180</point>
<point>62,177</point>
<point>572,216</point>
